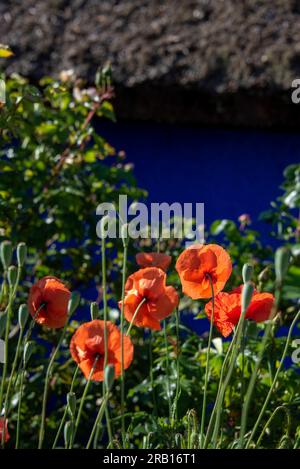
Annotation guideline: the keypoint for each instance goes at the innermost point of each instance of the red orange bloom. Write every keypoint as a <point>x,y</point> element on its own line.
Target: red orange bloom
<point>3,428</point>
<point>153,259</point>
<point>149,285</point>
<point>197,263</point>
<point>87,344</point>
<point>228,309</point>
<point>52,293</point>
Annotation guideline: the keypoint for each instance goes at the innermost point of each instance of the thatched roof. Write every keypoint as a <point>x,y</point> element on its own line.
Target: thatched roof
<point>208,61</point>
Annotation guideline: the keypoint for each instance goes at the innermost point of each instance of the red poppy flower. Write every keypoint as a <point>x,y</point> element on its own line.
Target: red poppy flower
<point>88,343</point>
<point>149,285</point>
<point>153,259</point>
<point>3,428</point>
<point>228,309</point>
<point>51,292</point>
<point>196,262</point>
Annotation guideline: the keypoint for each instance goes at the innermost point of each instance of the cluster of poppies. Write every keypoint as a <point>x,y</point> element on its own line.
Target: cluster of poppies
<point>203,271</point>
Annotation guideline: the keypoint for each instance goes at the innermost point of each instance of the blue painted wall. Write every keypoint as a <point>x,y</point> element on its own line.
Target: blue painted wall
<point>231,171</point>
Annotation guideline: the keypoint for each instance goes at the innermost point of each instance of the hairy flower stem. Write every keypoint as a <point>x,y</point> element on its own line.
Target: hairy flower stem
<point>10,382</point>
<point>7,329</point>
<point>46,385</point>
<point>232,363</point>
<point>63,419</point>
<point>167,370</point>
<point>122,344</point>
<point>151,373</point>
<point>19,407</point>
<point>98,419</point>
<point>177,394</point>
<point>135,315</point>
<point>207,362</point>
<point>86,388</point>
<point>251,385</point>
<point>263,409</point>
<point>105,317</point>
<point>276,411</point>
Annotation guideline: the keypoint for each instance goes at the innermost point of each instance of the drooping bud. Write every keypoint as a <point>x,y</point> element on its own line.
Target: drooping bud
<point>73,302</point>
<point>21,254</point>
<point>68,430</point>
<point>71,400</point>
<point>94,310</point>
<point>12,275</point>
<point>247,272</point>
<point>247,293</point>
<point>28,351</point>
<point>282,260</point>
<point>109,376</point>
<point>22,316</point>
<point>6,253</point>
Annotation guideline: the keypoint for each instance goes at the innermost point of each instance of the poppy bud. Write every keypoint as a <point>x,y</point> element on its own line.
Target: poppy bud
<point>71,400</point>
<point>21,254</point>
<point>247,272</point>
<point>109,376</point>
<point>247,293</point>
<point>178,441</point>
<point>94,310</point>
<point>68,430</point>
<point>22,316</point>
<point>73,302</point>
<point>282,259</point>
<point>12,275</point>
<point>263,275</point>
<point>28,351</point>
<point>124,234</point>
<point>3,318</point>
<point>6,254</point>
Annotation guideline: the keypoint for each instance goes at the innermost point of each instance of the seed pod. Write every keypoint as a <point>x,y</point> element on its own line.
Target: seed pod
<point>73,302</point>
<point>28,351</point>
<point>94,310</point>
<point>109,376</point>
<point>6,253</point>
<point>22,316</point>
<point>247,293</point>
<point>12,275</point>
<point>68,430</point>
<point>247,272</point>
<point>71,400</point>
<point>21,254</point>
<point>282,260</point>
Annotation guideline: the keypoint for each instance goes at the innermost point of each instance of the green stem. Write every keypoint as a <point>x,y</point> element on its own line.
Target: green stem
<point>232,363</point>
<point>251,385</point>
<point>135,315</point>
<point>104,290</point>
<point>19,408</point>
<point>276,411</point>
<point>47,378</point>
<point>63,419</point>
<point>98,419</point>
<point>122,346</point>
<point>288,340</point>
<point>207,361</point>
<point>151,373</point>
<point>86,388</point>
<point>168,370</point>
<point>177,394</point>
<point>7,329</point>
<point>10,381</point>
